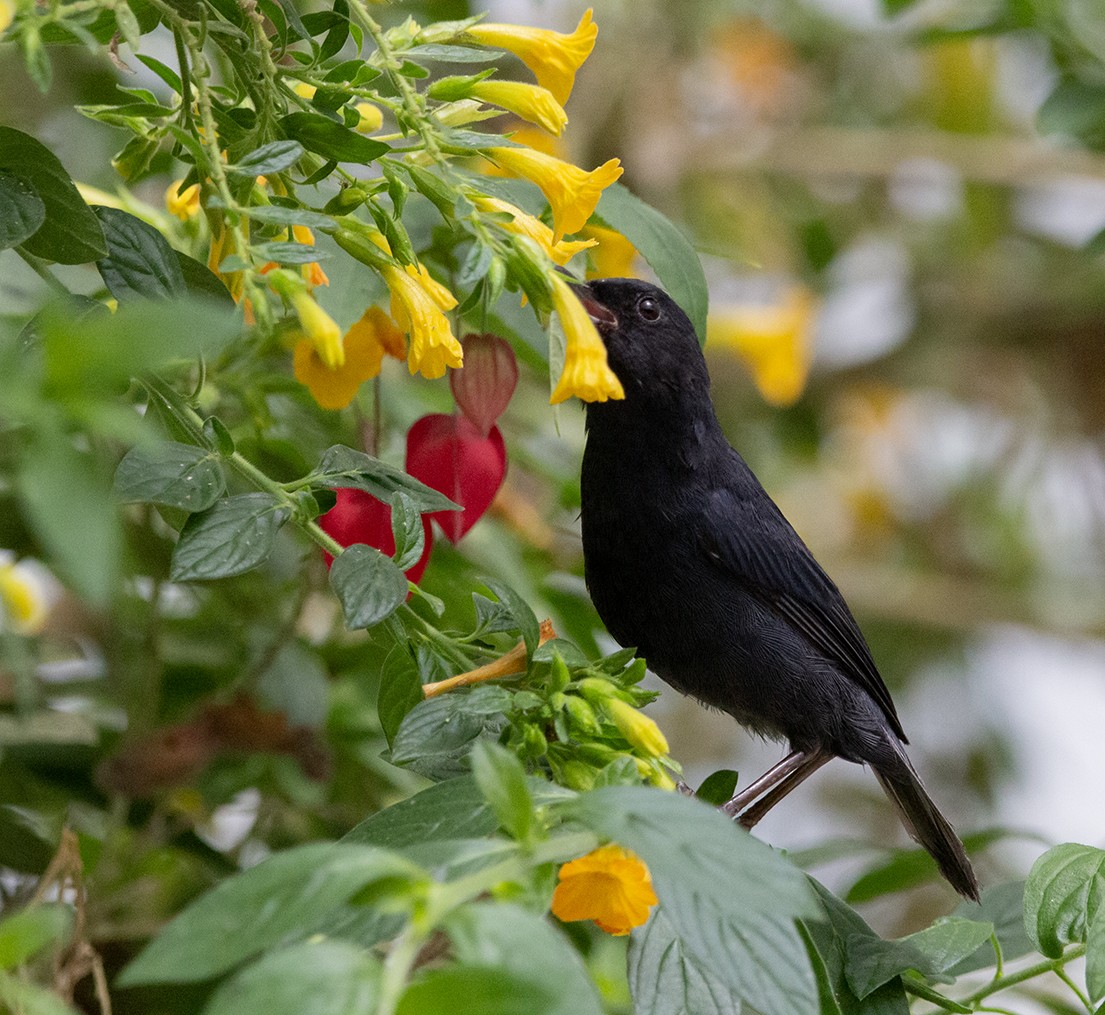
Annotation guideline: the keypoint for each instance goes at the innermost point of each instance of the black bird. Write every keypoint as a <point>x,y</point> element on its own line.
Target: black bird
<point>688,559</point>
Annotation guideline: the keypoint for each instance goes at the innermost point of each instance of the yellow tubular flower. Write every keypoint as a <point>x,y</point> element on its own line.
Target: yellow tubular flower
<point>587,375</point>
<point>7,15</point>
<point>572,192</point>
<point>637,728</point>
<point>774,341</point>
<point>526,225</point>
<point>320,329</point>
<point>530,102</point>
<point>417,302</point>
<point>553,57</point>
<point>615,255</point>
<point>184,204</point>
<point>312,273</point>
<point>365,346</point>
<point>611,886</point>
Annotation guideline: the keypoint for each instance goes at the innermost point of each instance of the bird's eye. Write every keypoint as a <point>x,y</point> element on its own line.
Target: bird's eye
<point>649,309</point>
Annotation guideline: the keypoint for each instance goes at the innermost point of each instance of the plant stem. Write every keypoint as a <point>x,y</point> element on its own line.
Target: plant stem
<point>1028,973</point>
<point>42,270</point>
<point>446,645</point>
<point>397,967</point>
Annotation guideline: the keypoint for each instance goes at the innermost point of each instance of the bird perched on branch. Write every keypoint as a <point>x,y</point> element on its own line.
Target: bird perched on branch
<point>688,559</point>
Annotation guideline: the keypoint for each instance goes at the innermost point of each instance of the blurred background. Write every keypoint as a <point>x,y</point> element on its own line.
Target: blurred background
<point>899,207</point>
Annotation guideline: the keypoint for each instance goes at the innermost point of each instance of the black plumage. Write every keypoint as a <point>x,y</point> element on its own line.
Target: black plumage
<point>688,559</point>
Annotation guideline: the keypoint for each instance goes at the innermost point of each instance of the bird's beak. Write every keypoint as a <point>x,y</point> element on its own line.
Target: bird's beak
<point>602,317</point>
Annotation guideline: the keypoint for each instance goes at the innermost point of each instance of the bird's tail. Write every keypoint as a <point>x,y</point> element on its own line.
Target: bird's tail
<point>925,824</point>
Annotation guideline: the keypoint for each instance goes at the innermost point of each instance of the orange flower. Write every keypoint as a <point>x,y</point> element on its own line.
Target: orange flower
<point>312,273</point>
<point>365,345</point>
<point>610,886</point>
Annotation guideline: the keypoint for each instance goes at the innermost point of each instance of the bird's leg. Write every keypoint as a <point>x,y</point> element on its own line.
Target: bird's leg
<point>811,763</point>
<point>770,778</point>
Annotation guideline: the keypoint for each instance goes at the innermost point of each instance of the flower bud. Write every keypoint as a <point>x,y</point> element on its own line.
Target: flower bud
<point>582,714</point>
<point>559,678</point>
<point>484,385</point>
<point>637,728</point>
<point>596,690</point>
<point>534,744</point>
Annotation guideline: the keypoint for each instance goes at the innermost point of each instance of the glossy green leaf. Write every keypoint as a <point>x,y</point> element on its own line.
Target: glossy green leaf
<point>22,211</point>
<point>315,977</point>
<point>321,135</point>
<point>454,809</point>
<point>455,54</point>
<point>281,215</point>
<point>290,253</point>
<point>668,252</point>
<point>501,936</point>
<point>264,905</point>
<point>179,475</point>
<point>520,610</point>
<point>400,690</point>
<point>202,281</point>
<point>746,933</point>
<point>665,980</point>
<point>342,467</point>
<point>274,157</point>
<point>718,788</point>
<point>26,933</point>
<point>368,584</point>
<point>408,530</point>
<point>71,233</point>
<point>230,538</point>
<point>1063,896</point>
<point>1002,906</point>
<point>502,781</point>
<point>139,264</point>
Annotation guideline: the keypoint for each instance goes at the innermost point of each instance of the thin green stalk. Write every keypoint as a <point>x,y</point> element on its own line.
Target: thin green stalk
<point>1076,990</point>
<point>1028,973</point>
<point>397,968</point>
<point>42,270</point>
<point>446,645</point>
<point>922,990</point>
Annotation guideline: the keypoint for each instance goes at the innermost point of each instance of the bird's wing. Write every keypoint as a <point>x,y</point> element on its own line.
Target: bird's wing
<point>750,539</point>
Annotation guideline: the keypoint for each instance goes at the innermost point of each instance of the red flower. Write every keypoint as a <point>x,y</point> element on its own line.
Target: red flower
<point>449,454</point>
<point>358,517</point>
<point>483,386</point>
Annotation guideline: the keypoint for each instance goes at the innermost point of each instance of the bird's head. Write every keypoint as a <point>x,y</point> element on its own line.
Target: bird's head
<point>650,342</point>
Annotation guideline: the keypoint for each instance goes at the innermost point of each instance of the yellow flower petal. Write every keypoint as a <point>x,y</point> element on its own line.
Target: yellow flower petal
<point>184,204</point>
<point>586,374</point>
<point>554,57</point>
<point>320,328</point>
<point>417,302</point>
<point>610,885</point>
<point>365,345</point>
<point>530,102</point>
<point>614,256</point>
<point>371,118</point>
<point>572,192</point>
<point>24,601</point>
<point>774,342</point>
<point>526,225</point>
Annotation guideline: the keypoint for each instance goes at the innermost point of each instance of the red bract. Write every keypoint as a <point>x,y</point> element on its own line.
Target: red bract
<point>449,454</point>
<point>483,386</point>
<point>358,517</point>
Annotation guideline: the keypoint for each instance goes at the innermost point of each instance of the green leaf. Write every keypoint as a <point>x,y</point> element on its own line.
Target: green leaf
<point>71,233</point>
<point>454,809</point>
<point>400,690</point>
<point>69,506</point>
<point>297,684</point>
<point>435,737</point>
<point>1075,108</point>
<point>408,530</point>
<point>1063,895</point>
<point>455,54</point>
<point>502,781</point>
<point>21,210</point>
<point>321,135</point>
<point>290,253</point>
<point>24,934</point>
<point>368,584</point>
<point>202,281</point>
<point>484,992</point>
<point>230,538</point>
<point>828,940</point>
<point>342,467</point>
<point>717,789</point>
<point>505,937</point>
<point>520,610</point>
<point>931,952</point>
<point>97,352</point>
<point>274,157</point>
<point>281,215</point>
<point>17,995</point>
<point>140,264</point>
<point>745,933</point>
<point>179,475</point>
<point>315,977</point>
<point>252,911</point>
<point>665,980</point>
<point>666,249</point>
<point>1002,906</point>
